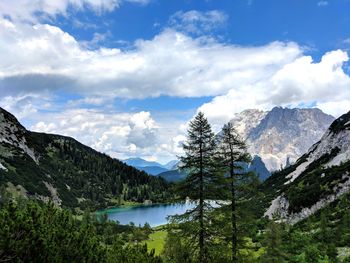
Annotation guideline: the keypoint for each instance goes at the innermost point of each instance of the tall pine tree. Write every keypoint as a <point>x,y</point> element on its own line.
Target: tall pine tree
<point>201,185</point>
<point>232,156</point>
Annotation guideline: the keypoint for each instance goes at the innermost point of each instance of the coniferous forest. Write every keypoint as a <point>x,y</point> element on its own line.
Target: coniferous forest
<point>226,224</point>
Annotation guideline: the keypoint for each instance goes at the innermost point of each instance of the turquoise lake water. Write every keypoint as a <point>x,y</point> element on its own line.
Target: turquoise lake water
<point>155,215</point>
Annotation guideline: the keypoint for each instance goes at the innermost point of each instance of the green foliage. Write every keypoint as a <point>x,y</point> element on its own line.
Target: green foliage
<point>83,177</point>
<point>176,249</point>
<point>43,233</point>
<point>202,183</point>
<point>273,243</point>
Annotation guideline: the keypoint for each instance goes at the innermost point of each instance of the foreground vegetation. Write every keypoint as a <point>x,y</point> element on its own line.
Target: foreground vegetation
<point>33,232</point>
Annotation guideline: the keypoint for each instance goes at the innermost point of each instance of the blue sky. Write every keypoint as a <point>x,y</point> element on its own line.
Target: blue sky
<point>322,25</point>
<point>125,76</point>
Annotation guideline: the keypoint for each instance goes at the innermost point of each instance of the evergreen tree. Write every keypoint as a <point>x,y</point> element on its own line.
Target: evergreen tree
<point>273,244</point>
<point>200,185</point>
<point>232,155</point>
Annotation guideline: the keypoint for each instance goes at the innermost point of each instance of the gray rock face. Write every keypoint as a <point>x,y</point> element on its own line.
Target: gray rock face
<point>282,133</point>
<point>331,154</point>
<point>13,133</point>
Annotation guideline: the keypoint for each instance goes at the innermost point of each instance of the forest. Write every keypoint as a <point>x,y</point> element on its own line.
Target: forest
<point>225,225</point>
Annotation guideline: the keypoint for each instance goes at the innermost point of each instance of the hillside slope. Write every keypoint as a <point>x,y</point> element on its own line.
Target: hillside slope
<point>317,178</point>
<point>46,166</point>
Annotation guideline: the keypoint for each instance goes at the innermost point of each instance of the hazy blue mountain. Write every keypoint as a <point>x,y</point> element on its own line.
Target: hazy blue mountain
<point>152,170</point>
<point>171,165</point>
<point>139,162</point>
<point>173,176</point>
<point>258,166</point>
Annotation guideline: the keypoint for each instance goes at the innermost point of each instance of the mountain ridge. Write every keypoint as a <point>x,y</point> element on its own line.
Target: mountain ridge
<point>281,134</point>
<point>50,166</point>
<point>317,178</point>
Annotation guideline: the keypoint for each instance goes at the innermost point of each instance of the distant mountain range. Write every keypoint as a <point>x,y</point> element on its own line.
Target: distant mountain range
<point>152,168</point>
<point>48,166</point>
<point>281,135</point>
<point>275,139</point>
<point>319,177</point>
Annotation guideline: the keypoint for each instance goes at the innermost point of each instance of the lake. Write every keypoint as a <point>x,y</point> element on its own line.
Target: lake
<point>154,215</point>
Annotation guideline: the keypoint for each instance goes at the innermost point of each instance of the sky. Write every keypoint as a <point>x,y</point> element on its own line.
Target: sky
<point>126,76</point>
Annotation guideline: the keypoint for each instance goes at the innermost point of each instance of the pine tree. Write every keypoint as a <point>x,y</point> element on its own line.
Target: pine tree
<point>273,244</point>
<point>200,184</point>
<point>232,155</point>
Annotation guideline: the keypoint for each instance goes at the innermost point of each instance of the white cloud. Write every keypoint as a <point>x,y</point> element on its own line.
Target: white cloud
<point>34,10</point>
<point>301,81</point>
<point>121,135</point>
<point>196,22</point>
<point>335,108</point>
<point>322,3</point>
<point>169,64</point>
<point>38,59</point>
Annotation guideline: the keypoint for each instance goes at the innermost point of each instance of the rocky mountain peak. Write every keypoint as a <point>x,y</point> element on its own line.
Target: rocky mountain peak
<point>282,133</point>
<point>317,178</point>
<point>246,120</point>
<point>13,133</point>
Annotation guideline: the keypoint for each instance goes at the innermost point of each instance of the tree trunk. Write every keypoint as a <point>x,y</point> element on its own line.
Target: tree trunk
<point>233,213</point>
<point>201,212</point>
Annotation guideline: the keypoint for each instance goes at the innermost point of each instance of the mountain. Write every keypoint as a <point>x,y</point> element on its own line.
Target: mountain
<point>48,166</point>
<point>152,170</point>
<point>258,166</point>
<point>281,135</point>
<point>319,177</point>
<point>173,176</point>
<point>172,165</point>
<point>139,162</point>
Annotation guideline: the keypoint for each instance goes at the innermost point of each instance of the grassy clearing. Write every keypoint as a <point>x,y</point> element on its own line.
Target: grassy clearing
<point>156,241</point>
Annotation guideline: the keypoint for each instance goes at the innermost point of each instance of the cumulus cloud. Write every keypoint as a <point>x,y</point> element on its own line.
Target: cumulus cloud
<point>196,22</point>
<point>171,63</point>
<point>35,10</point>
<point>300,81</point>
<point>117,134</point>
<point>39,59</point>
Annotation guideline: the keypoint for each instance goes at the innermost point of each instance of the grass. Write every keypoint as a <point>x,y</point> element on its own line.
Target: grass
<point>156,241</point>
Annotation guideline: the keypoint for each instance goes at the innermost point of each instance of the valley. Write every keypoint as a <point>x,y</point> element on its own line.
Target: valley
<point>64,173</point>
<point>179,131</point>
